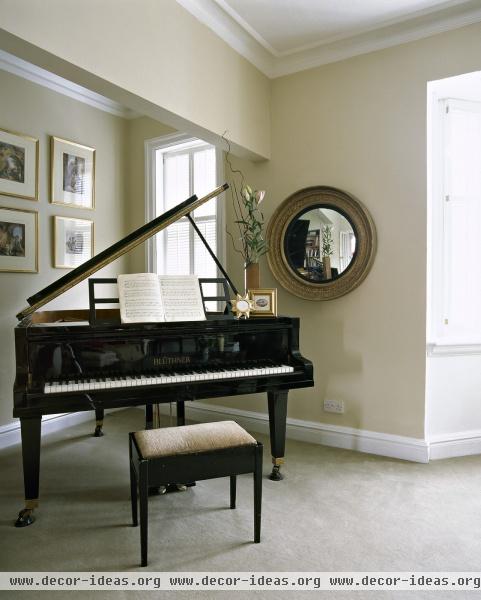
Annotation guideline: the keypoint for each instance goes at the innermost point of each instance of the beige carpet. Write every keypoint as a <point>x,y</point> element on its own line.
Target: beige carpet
<point>336,510</point>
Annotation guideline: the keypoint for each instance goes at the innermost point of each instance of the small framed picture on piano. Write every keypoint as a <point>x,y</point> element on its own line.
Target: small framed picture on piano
<point>264,302</point>
<point>73,242</point>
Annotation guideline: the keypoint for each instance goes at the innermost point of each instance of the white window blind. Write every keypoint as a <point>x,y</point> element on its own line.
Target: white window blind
<point>178,170</point>
<point>457,215</point>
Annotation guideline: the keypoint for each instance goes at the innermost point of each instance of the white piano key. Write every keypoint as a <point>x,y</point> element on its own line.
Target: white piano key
<point>165,379</point>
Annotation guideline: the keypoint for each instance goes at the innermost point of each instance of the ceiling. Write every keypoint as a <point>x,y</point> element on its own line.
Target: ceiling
<point>287,26</point>
<point>285,36</point>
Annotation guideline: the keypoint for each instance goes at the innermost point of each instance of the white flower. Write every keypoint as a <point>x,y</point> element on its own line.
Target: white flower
<point>247,192</point>
<point>259,196</point>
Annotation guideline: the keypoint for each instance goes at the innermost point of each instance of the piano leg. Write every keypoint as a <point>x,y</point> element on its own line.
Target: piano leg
<point>30,429</point>
<point>180,413</point>
<point>99,422</point>
<point>149,416</point>
<point>277,403</point>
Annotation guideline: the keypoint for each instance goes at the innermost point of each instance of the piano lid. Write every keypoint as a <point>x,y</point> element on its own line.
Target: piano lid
<point>115,251</point>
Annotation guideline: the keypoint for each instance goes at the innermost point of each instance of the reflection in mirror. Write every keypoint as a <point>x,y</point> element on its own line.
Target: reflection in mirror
<point>320,244</point>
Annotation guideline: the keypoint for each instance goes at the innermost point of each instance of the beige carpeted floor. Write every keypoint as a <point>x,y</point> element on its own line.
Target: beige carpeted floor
<point>336,510</point>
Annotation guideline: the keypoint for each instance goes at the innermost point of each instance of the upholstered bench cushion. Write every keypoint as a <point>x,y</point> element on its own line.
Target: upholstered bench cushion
<point>187,439</point>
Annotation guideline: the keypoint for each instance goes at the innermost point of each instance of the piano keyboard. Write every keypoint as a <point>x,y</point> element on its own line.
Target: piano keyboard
<point>164,379</point>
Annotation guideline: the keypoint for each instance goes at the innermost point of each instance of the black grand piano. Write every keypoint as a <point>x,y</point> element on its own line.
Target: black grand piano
<point>66,363</point>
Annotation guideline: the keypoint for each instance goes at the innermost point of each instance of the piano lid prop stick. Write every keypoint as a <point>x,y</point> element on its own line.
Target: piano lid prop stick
<point>105,257</point>
<point>214,257</point>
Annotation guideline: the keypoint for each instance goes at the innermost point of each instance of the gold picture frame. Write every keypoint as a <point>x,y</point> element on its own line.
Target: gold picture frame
<point>18,240</point>
<point>73,242</point>
<point>264,302</point>
<point>290,211</point>
<point>72,180</point>
<point>18,165</point>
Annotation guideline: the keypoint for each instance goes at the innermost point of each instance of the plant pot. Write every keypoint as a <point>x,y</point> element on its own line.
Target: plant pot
<point>252,277</point>
<point>327,266</point>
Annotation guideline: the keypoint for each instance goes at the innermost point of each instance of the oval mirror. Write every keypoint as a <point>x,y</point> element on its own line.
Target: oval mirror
<point>322,243</point>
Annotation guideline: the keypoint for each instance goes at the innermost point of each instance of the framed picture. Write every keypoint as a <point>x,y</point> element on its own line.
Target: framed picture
<point>73,174</point>
<point>73,242</point>
<point>18,240</point>
<point>18,165</point>
<point>264,302</point>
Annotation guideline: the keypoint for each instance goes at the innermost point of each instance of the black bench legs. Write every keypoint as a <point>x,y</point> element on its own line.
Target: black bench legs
<point>195,466</point>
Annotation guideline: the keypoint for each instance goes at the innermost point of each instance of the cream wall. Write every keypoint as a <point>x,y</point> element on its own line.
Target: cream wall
<point>360,125</point>
<point>149,55</point>
<point>36,111</point>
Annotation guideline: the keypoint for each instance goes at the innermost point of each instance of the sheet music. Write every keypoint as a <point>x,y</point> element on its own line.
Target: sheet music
<point>181,297</point>
<point>149,298</point>
<point>140,299</point>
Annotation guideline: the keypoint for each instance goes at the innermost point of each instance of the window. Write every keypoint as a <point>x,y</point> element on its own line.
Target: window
<point>456,223</point>
<point>178,167</point>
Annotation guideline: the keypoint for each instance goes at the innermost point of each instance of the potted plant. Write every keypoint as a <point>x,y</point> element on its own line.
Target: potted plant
<point>327,249</point>
<point>250,222</point>
<point>250,225</point>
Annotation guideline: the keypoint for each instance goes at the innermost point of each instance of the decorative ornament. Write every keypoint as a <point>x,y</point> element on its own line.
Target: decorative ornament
<point>242,306</point>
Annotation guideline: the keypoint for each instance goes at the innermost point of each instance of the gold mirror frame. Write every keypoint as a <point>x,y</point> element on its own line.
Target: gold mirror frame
<point>366,242</point>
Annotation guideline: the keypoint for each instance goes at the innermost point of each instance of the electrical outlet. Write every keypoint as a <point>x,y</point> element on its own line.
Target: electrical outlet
<point>334,406</point>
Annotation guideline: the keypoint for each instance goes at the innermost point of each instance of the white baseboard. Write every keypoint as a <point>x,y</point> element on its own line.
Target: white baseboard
<point>450,445</point>
<point>10,434</point>
<point>383,444</point>
<point>371,442</point>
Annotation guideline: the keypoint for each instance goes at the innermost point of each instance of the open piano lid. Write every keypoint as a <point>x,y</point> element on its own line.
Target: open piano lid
<point>118,249</point>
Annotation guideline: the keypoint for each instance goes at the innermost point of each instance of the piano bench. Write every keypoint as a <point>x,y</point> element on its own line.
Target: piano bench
<point>192,453</point>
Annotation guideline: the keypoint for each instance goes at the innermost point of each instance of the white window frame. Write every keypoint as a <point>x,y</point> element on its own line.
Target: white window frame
<point>152,182</point>
<point>438,342</point>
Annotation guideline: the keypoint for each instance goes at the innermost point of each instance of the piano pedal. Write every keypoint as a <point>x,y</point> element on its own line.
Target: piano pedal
<point>170,488</point>
<point>176,487</point>
<point>25,518</point>
<point>159,490</point>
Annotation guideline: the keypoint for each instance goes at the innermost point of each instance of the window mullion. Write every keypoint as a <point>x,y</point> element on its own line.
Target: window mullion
<point>191,229</point>
<point>163,233</point>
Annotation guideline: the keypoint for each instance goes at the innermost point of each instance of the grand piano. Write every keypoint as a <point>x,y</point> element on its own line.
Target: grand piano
<point>68,363</point>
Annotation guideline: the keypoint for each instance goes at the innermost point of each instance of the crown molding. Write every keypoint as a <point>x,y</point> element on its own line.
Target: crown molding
<point>228,29</point>
<point>248,28</point>
<point>221,19</point>
<point>26,70</point>
<point>386,37</point>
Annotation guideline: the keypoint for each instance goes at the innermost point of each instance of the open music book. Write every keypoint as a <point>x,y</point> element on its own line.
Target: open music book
<point>151,298</point>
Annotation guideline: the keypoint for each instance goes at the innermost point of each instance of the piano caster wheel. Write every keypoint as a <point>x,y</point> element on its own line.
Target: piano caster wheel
<point>276,474</point>
<point>98,431</point>
<point>25,518</point>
